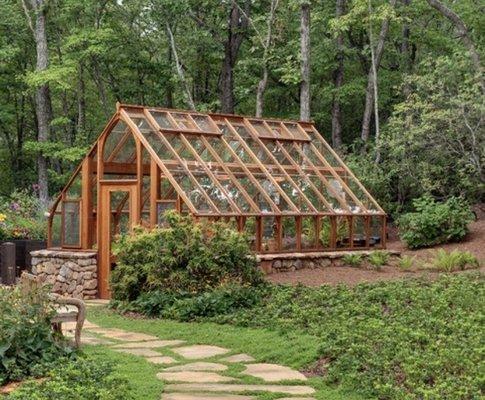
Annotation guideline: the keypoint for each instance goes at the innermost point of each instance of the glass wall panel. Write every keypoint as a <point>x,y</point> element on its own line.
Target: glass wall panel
<point>250,231</point>
<point>376,231</point>
<point>162,207</point>
<point>325,232</point>
<point>359,231</point>
<point>309,233</point>
<point>71,223</point>
<point>74,190</point>
<point>343,231</point>
<point>288,226</point>
<point>56,227</point>
<point>269,231</point>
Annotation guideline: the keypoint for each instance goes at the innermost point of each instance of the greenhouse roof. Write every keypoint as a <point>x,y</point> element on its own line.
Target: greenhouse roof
<point>235,165</point>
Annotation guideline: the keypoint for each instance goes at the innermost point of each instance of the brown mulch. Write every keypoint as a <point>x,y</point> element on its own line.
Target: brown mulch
<point>473,242</point>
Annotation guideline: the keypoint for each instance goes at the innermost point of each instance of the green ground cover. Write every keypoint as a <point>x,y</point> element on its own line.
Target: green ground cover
<point>410,339</point>
<point>296,350</point>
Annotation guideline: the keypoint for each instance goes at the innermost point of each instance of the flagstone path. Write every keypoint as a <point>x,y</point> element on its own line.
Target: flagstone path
<point>201,372</point>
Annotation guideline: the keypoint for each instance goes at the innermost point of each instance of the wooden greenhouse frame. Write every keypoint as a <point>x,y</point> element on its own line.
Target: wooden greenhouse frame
<point>277,180</point>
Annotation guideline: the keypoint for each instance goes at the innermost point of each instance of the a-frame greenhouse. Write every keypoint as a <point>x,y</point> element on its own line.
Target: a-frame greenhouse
<point>279,181</point>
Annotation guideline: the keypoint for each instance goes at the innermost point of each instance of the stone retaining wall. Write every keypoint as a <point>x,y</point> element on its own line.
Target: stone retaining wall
<point>70,273</point>
<point>274,263</point>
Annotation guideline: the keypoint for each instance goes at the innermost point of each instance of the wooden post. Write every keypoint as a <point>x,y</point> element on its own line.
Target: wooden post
<point>8,263</point>
<point>154,191</point>
<point>86,205</point>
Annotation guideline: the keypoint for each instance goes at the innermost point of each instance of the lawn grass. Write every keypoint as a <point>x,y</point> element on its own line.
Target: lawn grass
<point>292,349</point>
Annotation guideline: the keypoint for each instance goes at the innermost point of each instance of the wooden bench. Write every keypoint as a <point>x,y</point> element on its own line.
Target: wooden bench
<point>65,312</point>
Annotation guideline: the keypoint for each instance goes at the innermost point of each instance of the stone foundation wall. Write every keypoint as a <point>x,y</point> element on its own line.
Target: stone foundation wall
<point>72,274</point>
<point>274,263</point>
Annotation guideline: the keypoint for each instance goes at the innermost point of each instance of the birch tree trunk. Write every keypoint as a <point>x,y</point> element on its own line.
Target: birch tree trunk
<point>464,34</point>
<point>305,61</point>
<point>338,79</point>
<point>261,89</point>
<point>371,82</point>
<point>179,68</point>
<point>43,107</point>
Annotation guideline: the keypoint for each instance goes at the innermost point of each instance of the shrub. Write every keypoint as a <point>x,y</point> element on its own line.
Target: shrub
<point>27,342</point>
<point>407,339</point>
<point>435,223</point>
<point>452,261</point>
<point>21,217</point>
<point>188,307</point>
<point>378,259</point>
<point>354,260</point>
<point>82,379</point>
<point>406,262</point>
<point>184,257</point>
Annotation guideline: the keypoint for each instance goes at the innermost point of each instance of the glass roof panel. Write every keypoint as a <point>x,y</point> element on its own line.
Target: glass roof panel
<point>247,166</point>
<point>162,119</point>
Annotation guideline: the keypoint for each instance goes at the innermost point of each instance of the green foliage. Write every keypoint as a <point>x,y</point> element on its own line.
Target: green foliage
<point>406,262</point>
<point>82,379</point>
<point>378,259</point>
<point>455,260</point>
<point>21,217</point>
<point>354,260</point>
<point>185,256</point>
<point>28,345</point>
<point>409,339</point>
<point>189,307</point>
<point>434,223</point>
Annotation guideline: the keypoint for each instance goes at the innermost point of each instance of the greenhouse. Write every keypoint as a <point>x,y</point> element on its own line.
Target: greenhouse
<point>278,181</point>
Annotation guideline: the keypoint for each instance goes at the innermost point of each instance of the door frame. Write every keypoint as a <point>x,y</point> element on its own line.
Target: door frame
<point>104,226</point>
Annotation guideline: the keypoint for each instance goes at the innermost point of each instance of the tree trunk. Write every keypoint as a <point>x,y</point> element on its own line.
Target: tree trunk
<point>236,30</point>
<point>338,79</point>
<point>267,45</point>
<point>180,70</point>
<point>406,52</point>
<point>464,34</point>
<point>81,102</point>
<point>43,107</point>
<point>305,61</point>
<point>370,90</point>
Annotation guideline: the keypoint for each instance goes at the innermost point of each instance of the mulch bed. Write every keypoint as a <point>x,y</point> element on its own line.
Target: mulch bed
<point>474,242</point>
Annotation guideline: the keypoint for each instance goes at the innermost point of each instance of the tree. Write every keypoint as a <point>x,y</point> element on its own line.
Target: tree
<point>338,80</point>
<point>464,34</point>
<point>236,30</point>
<point>305,60</point>
<point>266,43</point>
<point>179,68</point>
<point>371,90</point>
<point>43,105</point>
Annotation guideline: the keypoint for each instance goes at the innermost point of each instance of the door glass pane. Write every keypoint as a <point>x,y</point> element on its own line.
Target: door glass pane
<point>120,213</point>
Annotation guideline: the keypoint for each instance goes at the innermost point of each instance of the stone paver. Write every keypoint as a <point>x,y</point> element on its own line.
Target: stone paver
<point>273,372</point>
<point>194,377</point>
<point>140,352</point>
<point>130,336</point>
<point>238,358</point>
<point>235,388</point>
<point>161,360</point>
<point>198,366</point>
<point>205,396</point>
<point>200,351</point>
<point>199,380</point>
<point>297,398</point>
<point>151,344</point>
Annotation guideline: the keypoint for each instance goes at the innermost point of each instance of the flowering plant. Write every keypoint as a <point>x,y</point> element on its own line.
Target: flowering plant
<point>21,217</point>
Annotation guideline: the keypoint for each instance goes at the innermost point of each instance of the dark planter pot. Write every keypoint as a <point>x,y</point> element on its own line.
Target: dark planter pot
<point>23,247</point>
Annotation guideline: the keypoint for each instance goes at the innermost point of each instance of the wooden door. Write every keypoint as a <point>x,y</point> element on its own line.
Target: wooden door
<point>117,216</point>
